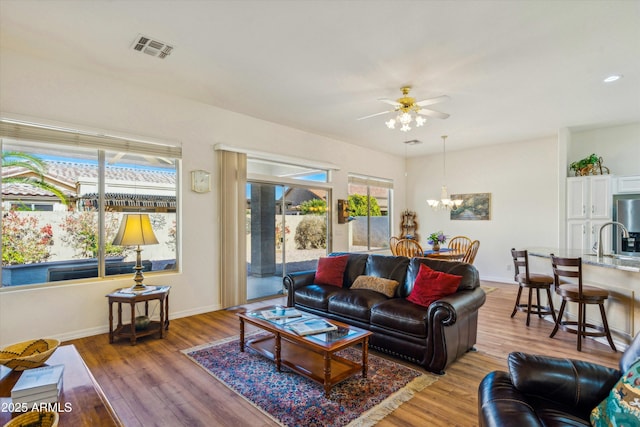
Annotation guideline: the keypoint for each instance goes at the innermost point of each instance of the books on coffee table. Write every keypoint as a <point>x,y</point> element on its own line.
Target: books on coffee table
<point>38,385</point>
<point>280,313</point>
<point>311,326</point>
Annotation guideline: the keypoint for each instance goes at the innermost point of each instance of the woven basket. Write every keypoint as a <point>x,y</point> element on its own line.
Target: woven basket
<point>35,419</point>
<point>28,354</point>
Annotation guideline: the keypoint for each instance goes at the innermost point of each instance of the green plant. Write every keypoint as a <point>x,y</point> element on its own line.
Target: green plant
<point>311,233</point>
<point>593,159</point>
<point>437,237</point>
<point>82,234</point>
<point>359,206</point>
<point>33,164</point>
<point>23,240</point>
<point>313,207</point>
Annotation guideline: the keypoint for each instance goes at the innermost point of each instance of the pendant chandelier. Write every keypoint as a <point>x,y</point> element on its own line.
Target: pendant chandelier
<point>445,202</point>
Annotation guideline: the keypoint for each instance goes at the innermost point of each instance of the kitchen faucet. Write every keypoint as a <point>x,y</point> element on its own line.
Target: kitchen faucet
<point>625,234</point>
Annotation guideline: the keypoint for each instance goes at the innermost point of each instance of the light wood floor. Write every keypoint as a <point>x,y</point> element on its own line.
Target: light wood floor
<point>153,384</point>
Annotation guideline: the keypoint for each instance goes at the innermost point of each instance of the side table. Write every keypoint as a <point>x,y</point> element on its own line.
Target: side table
<point>160,293</point>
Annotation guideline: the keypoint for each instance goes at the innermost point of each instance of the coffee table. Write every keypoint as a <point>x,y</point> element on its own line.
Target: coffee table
<point>312,356</point>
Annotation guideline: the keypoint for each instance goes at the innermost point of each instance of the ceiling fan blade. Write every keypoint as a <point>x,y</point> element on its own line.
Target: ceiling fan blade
<point>390,102</point>
<point>432,101</point>
<point>376,114</point>
<point>433,113</point>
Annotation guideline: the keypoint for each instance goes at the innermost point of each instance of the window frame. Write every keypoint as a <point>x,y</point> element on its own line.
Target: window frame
<point>368,182</point>
<point>15,131</point>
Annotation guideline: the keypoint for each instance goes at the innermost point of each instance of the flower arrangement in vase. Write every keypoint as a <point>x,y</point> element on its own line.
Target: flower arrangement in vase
<point>436,239</point>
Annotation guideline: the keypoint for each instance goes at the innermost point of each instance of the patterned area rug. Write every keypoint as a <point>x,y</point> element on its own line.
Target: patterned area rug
<point>292,400</point>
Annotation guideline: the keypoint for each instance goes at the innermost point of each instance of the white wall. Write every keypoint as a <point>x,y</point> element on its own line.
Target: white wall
<point>619,147</point>
<point>52,93</point>
<point>523,181</point>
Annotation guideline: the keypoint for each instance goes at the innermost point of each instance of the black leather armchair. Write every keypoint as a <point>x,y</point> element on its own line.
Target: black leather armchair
<point>548,391</point>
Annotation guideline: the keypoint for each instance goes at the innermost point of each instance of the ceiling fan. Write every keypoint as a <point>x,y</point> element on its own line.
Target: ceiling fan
<point>406,105</point>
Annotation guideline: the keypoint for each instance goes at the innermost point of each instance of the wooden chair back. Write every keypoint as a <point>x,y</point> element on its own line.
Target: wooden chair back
<point>569,268</point>
<point>472,251</point>
<point>459,244</point>
<point>409,248</point>
<point>393,241</point>
<point>520,260</point>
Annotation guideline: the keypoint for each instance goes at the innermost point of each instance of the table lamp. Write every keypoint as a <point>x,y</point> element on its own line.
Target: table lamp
<point>135,229</point>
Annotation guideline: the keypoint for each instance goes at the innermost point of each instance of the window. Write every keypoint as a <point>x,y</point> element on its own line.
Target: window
<point>63,197</point>
<point>370,207</point>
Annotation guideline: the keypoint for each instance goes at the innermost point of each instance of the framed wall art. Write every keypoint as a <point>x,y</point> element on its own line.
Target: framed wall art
<point>474,207</point>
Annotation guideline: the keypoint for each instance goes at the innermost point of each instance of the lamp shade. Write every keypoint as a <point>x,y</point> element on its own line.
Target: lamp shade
<point>135,229</point>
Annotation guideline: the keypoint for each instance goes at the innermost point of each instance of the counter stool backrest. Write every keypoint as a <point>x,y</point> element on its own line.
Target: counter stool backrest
<point>567,267</point>
<point>520,264</point>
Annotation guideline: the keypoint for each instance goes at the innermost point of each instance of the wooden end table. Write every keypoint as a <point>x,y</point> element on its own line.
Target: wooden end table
<point>161,293</point>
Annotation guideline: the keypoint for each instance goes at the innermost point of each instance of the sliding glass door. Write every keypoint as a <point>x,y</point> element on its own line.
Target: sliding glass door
<point>286,231</point>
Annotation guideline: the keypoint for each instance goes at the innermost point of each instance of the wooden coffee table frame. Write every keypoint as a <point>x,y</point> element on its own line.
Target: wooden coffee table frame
<point>304,355</point>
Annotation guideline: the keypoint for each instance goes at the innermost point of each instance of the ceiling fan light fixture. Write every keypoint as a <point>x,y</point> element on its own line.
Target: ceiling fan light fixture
<point>420,121</point>
<point>391,124</point>
<point>405,128</point>
<point>405,118</point>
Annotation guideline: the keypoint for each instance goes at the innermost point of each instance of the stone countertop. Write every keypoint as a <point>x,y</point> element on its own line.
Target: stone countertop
<point>626,263</point>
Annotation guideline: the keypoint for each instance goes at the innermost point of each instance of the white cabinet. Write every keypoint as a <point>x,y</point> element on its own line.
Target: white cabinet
<point>589,200</point>
<point>628,184</point>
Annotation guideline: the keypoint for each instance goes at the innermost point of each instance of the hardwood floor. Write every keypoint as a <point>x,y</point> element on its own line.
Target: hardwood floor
<point>153,384</point>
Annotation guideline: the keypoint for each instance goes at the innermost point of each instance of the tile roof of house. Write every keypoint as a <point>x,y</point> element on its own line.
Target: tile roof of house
<point>68,173</point>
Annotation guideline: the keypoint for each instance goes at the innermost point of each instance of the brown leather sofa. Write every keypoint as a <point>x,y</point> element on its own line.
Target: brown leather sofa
<point>432,337</point>
<point>548,391</point>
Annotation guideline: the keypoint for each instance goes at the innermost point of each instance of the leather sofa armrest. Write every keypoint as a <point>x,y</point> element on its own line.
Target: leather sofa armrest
<point>461,303</point>
<point>293,281</point>
<point>575,383</point>
<point>502,405</point>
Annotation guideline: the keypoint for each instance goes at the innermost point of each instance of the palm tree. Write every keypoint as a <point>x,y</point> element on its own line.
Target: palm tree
<point>33,164</point>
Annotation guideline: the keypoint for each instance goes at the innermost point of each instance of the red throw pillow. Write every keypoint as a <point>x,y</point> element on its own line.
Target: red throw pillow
<point>431,285</point>
<point>330,270</point>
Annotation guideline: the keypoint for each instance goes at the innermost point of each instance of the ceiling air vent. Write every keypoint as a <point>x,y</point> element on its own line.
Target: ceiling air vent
<point>152,47</point>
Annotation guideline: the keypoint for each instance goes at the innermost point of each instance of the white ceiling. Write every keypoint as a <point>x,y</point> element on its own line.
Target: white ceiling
<point>515,70</point>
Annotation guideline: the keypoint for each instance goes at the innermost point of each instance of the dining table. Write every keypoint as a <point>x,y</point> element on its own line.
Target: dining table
<point>445,254</point>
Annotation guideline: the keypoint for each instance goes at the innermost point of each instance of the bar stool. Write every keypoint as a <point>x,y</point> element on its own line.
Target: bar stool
<point>583,295</point>
<point>531,281</point>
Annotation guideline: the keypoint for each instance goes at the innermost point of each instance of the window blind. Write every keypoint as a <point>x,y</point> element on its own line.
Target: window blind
<point>371,181</point>
<point>40,133</point>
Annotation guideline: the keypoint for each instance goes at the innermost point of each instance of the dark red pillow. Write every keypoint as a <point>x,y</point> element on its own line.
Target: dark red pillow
<point>431,285</point>
<point>330,270</point>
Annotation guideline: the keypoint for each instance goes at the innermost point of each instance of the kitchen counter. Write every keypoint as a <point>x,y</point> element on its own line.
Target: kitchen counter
<point>620,276</point>
<point>622,262</point>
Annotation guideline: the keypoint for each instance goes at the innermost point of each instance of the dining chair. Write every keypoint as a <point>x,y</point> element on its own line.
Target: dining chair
<point>409,248</point>
<point>570,291</point>
<point>527,279</point>
<point>459,243</point>
<point>472,251</point>
<point>393,241</point>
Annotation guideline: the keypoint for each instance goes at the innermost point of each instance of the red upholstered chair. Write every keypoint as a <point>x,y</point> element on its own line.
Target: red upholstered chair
<point>571,289</point>
<point>531,281</point>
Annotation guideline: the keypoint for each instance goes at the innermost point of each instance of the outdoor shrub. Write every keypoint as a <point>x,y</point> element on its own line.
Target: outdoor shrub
<point>313,207</point>
<point>82,234</point>
<point>358,205</point>
<point>311,233</point>
<point>23,240</point>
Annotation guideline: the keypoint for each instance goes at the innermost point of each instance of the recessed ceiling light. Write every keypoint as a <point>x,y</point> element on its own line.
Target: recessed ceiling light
<point>612,78</point>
